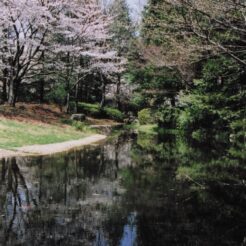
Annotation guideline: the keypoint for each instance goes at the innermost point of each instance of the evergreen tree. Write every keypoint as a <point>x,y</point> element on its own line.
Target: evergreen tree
<point>122,28</point>
<point>158,81</point>
<point>122,32</point>
<point>193,53</point>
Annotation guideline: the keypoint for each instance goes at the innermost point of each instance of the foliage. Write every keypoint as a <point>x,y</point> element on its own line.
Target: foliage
<point>215,101</point>
<point>238,128</point>
<point>157,85</point>
<point>167,117</point>
<point>80,126</point>
<point>186,62</point>
<point>39,27</point>
<point>195,29</point>
<point>113,113</point>
<point>57,94</point>
<point>96,111</point>
<point>150,129</point>
<point>201,122</point>
<point>137,102</point>
<point>121,27</point>
<point>190,66</point>
<point>147,137</point>
<point>89,109</point>
<point>145,116</point>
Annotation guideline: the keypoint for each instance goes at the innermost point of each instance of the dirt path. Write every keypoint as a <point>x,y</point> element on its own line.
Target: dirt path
<point>49,149</point>
<point>7,153</point>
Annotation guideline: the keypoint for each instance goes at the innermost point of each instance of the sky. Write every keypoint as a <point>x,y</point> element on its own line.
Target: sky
<point>136,8</point>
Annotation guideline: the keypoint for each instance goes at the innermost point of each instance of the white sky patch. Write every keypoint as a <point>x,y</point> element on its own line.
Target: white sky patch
<point>136,8</point>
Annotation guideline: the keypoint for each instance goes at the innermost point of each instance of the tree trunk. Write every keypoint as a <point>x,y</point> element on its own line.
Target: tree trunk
<point>11,93</point>
<point>76,97</point>
<point>42,82</point>
<point>67,103</point>
<point>4,92</point>
<point>103,95</point>
<point>118,85</point>
<point>5,70</point>
<point>16,90</point>
<point>4,89</point>
<point>41,91</point>
<point>173,101</point>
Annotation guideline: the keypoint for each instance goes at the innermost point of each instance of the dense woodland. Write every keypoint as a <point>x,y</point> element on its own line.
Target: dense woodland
<point>183,66</point>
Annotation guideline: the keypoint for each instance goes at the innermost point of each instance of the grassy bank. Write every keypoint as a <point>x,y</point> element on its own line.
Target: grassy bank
<point>30,124</point>
<point>15,133</point>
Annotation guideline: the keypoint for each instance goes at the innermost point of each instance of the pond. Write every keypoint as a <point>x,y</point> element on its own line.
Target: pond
<point>131,190</point>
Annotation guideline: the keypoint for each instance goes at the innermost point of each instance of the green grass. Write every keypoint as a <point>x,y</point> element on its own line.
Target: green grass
<point>16,134</point>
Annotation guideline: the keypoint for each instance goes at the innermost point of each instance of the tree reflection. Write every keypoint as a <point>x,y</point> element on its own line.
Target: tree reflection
<point>150,191</point>
<point>185,193</point>
<point>15,198</point>
<point>59,199</point>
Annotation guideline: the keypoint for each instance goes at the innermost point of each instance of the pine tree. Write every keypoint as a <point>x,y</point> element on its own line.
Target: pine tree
<point>122,32</point>
<point>122,28</point>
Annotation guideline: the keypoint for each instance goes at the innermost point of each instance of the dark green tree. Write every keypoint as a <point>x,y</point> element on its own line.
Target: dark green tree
<point>122,31</point>
<point>192,53</point>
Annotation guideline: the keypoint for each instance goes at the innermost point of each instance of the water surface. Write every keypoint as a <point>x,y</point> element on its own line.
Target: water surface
<point>129,191</point>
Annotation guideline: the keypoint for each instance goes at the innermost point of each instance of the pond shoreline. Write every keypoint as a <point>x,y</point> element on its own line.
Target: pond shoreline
<point>49,149</point>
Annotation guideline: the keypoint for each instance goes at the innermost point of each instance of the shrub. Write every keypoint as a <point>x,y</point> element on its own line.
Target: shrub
<point>201,117</point>
<point>199,135</point>
<point>137,102</point>
<point>167,117</point>
<point>72,107</point>
<point>67,122</point>
<point>184,120</point>
<point>90,109</point>
<point>57,94</point>
<point>145,117</point>
<point>113,113</point>
<point>94,110</point>
<point>80,126</point>
<point>202,123</point>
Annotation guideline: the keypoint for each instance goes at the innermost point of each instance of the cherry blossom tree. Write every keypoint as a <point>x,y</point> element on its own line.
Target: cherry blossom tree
<point>108,65</point>
<point>31,28</point>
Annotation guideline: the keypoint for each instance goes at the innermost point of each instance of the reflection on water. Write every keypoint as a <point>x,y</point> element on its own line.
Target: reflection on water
<point>129,236</point>
<point>126,192</point>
